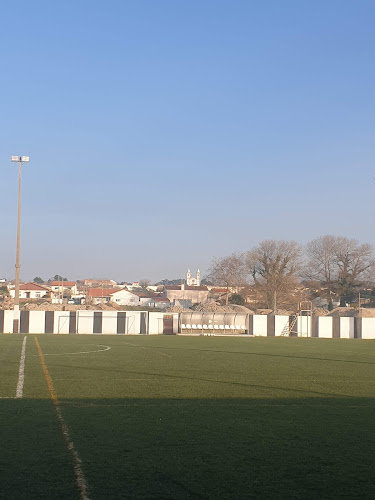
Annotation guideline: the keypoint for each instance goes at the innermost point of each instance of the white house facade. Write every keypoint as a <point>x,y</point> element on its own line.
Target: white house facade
<point>30,291</point>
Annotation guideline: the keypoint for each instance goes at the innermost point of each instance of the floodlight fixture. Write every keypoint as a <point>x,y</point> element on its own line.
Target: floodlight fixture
<point>20,159</point>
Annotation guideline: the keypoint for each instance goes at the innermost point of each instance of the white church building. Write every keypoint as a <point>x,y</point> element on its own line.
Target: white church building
<point>193,281</point>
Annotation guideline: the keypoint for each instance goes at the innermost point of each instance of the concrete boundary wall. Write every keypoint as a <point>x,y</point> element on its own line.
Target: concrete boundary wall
<point>156,323</point>
<point>91,322</point>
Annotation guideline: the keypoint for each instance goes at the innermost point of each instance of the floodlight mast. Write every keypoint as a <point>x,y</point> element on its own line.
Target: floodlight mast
<point>16,316</point>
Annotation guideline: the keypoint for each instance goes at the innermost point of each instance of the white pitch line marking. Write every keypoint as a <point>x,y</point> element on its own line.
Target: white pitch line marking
<point>21,371</point>
<point>107,348</point>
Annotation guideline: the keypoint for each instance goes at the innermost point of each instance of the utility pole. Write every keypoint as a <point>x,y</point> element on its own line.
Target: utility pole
<point>16,316</point>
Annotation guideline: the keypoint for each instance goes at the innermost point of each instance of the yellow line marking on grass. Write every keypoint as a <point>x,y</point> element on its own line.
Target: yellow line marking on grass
<point>148,349</point>
<point>80,477</point>
<point>21,371</point>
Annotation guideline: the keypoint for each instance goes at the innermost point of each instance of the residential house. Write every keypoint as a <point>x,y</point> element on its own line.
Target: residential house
<point>63,289</point>
<point>125,297</point>
<point>161,302</point>
<point>30,291</point>
<point>99,295</point>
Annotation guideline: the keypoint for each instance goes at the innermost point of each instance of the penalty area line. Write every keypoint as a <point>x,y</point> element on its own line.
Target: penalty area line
<point>80,477</point>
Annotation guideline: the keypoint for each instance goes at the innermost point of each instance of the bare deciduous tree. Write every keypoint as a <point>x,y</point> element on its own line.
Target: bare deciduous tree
<point>274,266</point>
<point>144,284</point>
<point>338,266</point>
<point>229,271</point>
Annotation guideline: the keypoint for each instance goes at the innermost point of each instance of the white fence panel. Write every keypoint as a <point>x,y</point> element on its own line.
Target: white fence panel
<point>37,320</point>
<point>303,326</point>
<point>133,322</point>
<point>156,323</point>
<point>368,328</point>
<point>85,322</point>
<point>347,328</point>
<point>8,321</point>
<point>260,325</point>
<point>280,323</point>
<point>109,322</point>
<point>325,328</point>
<point>61,322</point>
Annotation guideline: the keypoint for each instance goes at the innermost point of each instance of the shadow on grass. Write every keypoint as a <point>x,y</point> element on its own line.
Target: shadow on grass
<point>270,355</point>
<point>191,448</point>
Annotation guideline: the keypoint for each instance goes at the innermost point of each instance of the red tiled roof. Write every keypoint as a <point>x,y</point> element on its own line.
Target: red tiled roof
<point>63,283</point>
<point>33,286</point>
<point>160,299</point>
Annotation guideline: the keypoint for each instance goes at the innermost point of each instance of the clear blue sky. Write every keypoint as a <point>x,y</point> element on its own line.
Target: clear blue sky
<point>165,132</point>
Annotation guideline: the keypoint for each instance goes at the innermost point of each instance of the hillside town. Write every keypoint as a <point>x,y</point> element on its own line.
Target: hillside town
<point>178,295</point>
<point>107,292</point>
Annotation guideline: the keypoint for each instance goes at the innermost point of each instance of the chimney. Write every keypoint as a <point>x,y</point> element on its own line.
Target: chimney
<point>182,286</point>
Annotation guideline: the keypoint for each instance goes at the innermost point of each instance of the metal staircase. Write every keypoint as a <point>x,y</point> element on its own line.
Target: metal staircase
<point>304,309</point>
<point>287,331</point>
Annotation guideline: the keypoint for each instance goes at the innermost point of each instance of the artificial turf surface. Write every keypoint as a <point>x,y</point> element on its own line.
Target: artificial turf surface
<point>190,418</point>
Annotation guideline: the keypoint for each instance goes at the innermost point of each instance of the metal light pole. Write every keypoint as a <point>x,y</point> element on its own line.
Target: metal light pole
<point>16,317</point>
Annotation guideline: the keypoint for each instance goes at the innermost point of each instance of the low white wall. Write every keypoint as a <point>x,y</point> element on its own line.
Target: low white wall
<point>325,327</point>
<point>8,321</point>
<point>60,321</point>
<point>133,321</point>
<point>109,322</point>
<point>85,322</point>
<point>280,323</point>
<point>155,323</point>
<point>303,326</point>
<point>37,322</point>
<point>260,325</point>
<point>368,328</point>
<point>347,328</point>
<point>112,323</point>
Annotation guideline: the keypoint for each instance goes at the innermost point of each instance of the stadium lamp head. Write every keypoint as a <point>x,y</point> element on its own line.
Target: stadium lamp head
<point>22,159</point>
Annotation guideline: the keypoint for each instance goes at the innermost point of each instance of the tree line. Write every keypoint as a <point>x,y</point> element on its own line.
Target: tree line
<point>280,273</point>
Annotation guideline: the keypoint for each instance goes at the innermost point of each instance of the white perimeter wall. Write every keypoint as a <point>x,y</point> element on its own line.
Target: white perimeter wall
<point>303,326</point>
<point>260,325</point>
<point>325,328</point>
<point>85,324</point>
<point>156,323</point>
<point>37,322</point>
<point>280,323</point>
<point>133,322</point>
<point>109,322</point>
<point>368,328</point>
<point>347,328</point>
<point>8,321</point>
<point>60,321</point>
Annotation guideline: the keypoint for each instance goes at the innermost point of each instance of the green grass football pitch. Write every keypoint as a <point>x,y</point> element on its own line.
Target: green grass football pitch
<point>165,417</point>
